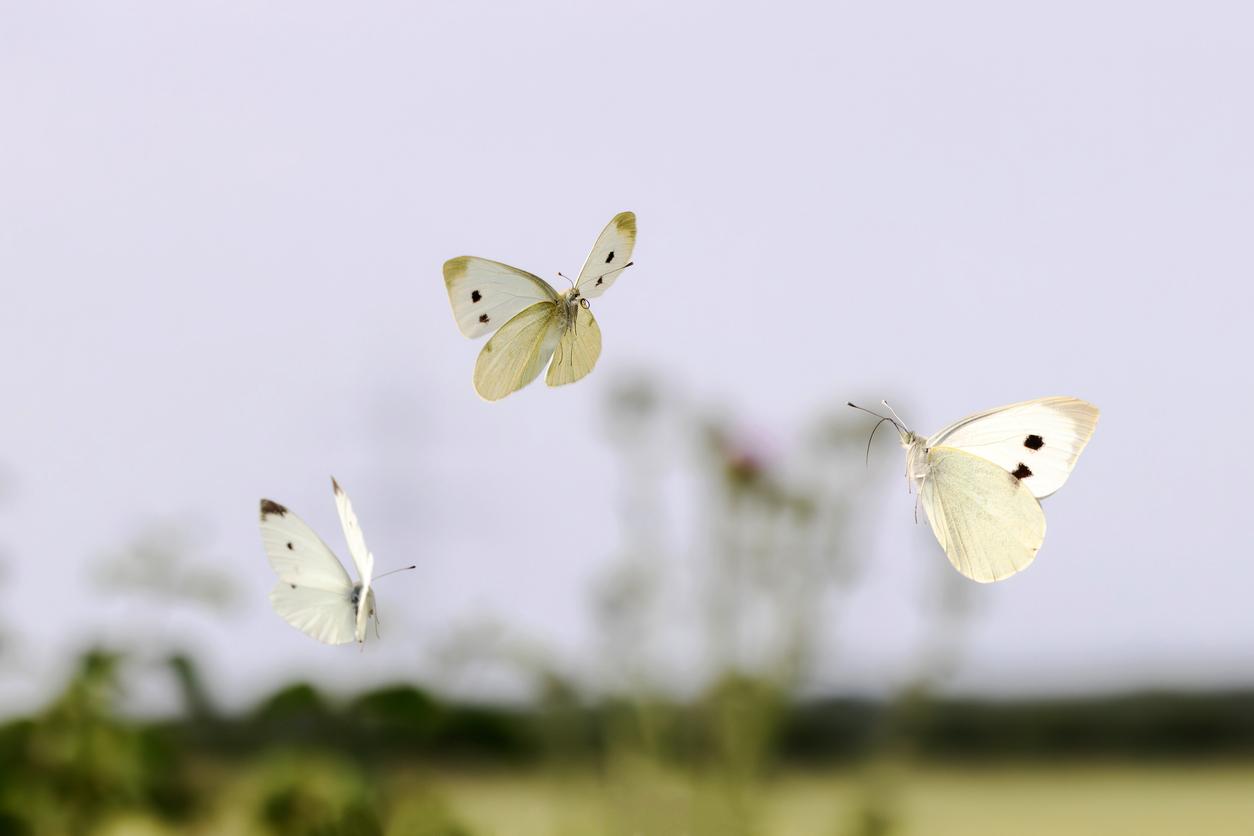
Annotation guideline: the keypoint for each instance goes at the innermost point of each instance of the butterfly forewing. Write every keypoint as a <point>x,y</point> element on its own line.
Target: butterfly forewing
<point>297,555</point>
<point>362,558</point>
<point>988,522</point>
<point>1037,440</point>
<point>517,353</point>
<point>611,253</point>
<point>487,294</point>
<point>577,352</point>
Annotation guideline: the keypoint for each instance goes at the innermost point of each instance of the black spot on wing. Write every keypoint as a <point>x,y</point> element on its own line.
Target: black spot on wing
<point>268,507</point>
<point>1022,471</point>
<point>483,317</point>
<point>293,585</point>
<point>475,296</point>
<point>609,257</point>
<point>1034,442</point>
<point>599,280</point>
<point>290,547</point>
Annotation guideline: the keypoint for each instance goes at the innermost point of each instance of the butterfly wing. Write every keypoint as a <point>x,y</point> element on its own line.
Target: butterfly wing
<point>610,254</point>
<point>987,521</point>
<point>485,294</point>
<point>362,558</point>
<point>577,352</point>
<point>326,616</point>
<point>1038,440</point>
<point>519,351</point>
<point>314,593</point>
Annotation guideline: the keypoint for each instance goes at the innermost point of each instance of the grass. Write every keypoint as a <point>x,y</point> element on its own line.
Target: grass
<point>935,801</point>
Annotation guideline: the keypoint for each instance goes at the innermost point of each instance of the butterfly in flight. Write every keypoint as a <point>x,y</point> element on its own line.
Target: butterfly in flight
<point>314,593</point>
<point>980,479</point>
<point>533,322</point>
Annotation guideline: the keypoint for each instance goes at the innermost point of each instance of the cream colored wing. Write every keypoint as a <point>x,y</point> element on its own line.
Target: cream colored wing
<point>322,614</point>
<point>1037,440</point>
<point>517,353</point>
<point>986,520</point>
<point>362,557</point>
<point>487,294</point>
<point>297,554</point>
<point>609,256</point>
<point>314,593</point>
<point>577,352</point>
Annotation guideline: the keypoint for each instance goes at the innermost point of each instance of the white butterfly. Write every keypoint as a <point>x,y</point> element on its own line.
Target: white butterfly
<point>979,479</point>
<point>535,322</point>
<point>314,593</point>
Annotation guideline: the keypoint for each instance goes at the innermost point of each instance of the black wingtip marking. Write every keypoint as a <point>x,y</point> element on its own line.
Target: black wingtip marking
<point>475,296</point>
<point>609,257</point>
<point>1022,471</point>
<point>269,507</point>
<point>1034,442</point>
<point>483,317</point>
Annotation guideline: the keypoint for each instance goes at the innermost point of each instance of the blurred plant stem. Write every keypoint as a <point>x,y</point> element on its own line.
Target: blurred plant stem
<point>767,546</point>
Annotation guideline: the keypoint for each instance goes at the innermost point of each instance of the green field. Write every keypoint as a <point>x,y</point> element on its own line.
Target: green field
<point>1027,801</point>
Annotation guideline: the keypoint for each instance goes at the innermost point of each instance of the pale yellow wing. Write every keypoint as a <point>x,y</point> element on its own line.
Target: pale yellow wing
<point>486,294</point>
<point>577,352</point>
<point>609,257</point>
<point>516,353</point>
<point>1039,440</point>
<point>987,521</point>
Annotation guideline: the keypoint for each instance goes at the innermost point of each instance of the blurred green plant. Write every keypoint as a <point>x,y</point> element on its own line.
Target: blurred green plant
<point>77,762</point>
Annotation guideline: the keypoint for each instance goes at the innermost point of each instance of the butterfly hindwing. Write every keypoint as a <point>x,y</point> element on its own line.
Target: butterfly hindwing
<point>1038,440</point>
<point>323,614</point>
<point>518,352</point>
<point>487,294</point>
<point>987,521</point>
<point>611,253</point>
<point>577,351</point>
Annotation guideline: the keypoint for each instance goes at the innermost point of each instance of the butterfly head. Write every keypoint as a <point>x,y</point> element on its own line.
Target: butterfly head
<point>572,301</point>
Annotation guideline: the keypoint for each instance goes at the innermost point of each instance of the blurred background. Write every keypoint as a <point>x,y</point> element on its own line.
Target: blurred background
<point>676,597</point>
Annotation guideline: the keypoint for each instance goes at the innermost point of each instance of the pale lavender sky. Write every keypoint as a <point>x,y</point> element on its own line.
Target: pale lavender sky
<point>221,231</point>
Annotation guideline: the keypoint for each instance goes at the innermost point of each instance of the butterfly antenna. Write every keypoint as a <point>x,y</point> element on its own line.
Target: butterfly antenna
<point>896,419</point>
<point>872,438</point>
<point>567,278</point>
<point>394,571</point>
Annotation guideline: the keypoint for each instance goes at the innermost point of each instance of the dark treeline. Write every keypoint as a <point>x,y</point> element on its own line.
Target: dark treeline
<point>407,721</point>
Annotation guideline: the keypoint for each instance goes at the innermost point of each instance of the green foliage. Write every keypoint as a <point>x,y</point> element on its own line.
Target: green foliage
<point>76,762</point>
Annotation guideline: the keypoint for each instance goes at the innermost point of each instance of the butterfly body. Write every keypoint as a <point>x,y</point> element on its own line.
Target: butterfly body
<point>533,322</point>
<point>916,458</point>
